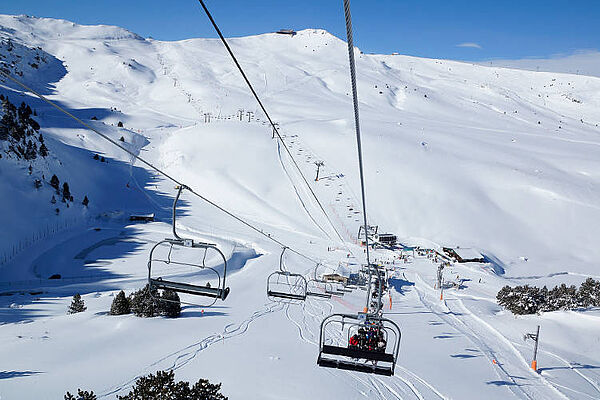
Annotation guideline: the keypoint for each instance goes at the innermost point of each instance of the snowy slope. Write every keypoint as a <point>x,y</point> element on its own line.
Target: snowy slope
<point>503,161</point>
<point>583,62</point>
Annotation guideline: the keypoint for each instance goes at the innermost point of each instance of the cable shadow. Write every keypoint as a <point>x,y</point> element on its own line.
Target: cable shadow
<point>17,374</point>
<point>573,366</point>
<point>200,314</point>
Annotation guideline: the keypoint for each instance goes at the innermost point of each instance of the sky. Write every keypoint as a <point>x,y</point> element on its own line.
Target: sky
<point>452,29</point>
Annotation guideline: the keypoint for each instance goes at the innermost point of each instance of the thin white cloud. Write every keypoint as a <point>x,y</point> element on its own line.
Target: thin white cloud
<point>469,44</point>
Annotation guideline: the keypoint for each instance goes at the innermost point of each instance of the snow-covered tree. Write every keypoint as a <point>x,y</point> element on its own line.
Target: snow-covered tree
<point>66,192</point>
<point>120,305</point>
<point>143,302</point>
<point>170,304</point>
<point>163,386</point>
<point>521,299</point>
<point>77,305</point>
<point>562,297</point>
<point>43,150</point>
<point>81,395</point>
<point>588,294</point>
<point>54,182</point>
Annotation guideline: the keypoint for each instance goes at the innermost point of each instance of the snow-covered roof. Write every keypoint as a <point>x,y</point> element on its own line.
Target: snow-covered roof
<point>467,253</point>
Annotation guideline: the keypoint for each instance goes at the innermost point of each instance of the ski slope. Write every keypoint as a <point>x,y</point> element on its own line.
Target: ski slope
<point>501,160</point>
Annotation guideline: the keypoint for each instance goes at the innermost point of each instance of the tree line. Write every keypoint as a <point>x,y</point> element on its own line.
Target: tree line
<point>527,299</point>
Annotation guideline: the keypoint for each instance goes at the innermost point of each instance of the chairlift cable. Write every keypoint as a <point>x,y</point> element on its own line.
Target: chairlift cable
<point>351,61</point>
<point>275,129</point>
<point>151,166</point>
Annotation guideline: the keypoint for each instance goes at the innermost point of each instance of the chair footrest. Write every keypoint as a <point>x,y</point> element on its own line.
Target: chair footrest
<point>352,366</point>
<point>357,353</point>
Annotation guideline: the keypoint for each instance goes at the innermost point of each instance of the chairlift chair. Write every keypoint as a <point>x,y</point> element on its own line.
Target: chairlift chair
<point>337,350</point>
<point>344,288</point>
<point>173,258</point>
<point>333,290</point>
<point>286,286</point>
<point>318,288</point>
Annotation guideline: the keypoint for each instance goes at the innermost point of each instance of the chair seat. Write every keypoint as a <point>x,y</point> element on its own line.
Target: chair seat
<point>318,294</point>
<point>190,289</point>
<point>285,295</point>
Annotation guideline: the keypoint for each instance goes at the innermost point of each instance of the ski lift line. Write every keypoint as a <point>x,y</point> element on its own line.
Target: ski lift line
<point>156,169</point>
<point>298,193</point>
<point>273,125</point>
<point>352,63</point>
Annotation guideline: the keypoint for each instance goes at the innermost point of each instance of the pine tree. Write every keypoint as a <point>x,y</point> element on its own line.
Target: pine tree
<point>144,302</point>
<point>204,390</point>
<point>522,299</point>
<point>77,305</point>
<point>43,151</point>
<point>122,139</point>
<point>31,151</point>
<point>81,395</point>
<point>96,157</point>
<point>54,182</point>
<point>562,297</point>
<point>66,191</point>
<point>162,386</point>
<point>170,305</point>
<point>588,294</point>
<point>120,305</point>
<point>85,201</point>
<point>53,200</point>
<point>120,124</point>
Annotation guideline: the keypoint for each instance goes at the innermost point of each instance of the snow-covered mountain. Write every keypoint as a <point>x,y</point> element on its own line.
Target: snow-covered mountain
<point>583,62</point>
<point>501,160</point>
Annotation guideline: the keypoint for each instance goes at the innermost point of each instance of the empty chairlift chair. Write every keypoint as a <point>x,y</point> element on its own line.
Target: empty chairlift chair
<point>334,290</point>
<point>177,262</point>
<point>286,286</point>
<point>182,259</point>
<point>318,288</point>
<point>362,342</point>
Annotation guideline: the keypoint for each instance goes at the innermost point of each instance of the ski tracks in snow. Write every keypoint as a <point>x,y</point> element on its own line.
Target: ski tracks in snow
<point>403,385</point>
<point>510,363</point>
<point>182,357</point>
<point>595,385</point>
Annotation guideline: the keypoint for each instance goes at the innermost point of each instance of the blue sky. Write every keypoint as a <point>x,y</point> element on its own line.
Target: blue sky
<point>455,29</point>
